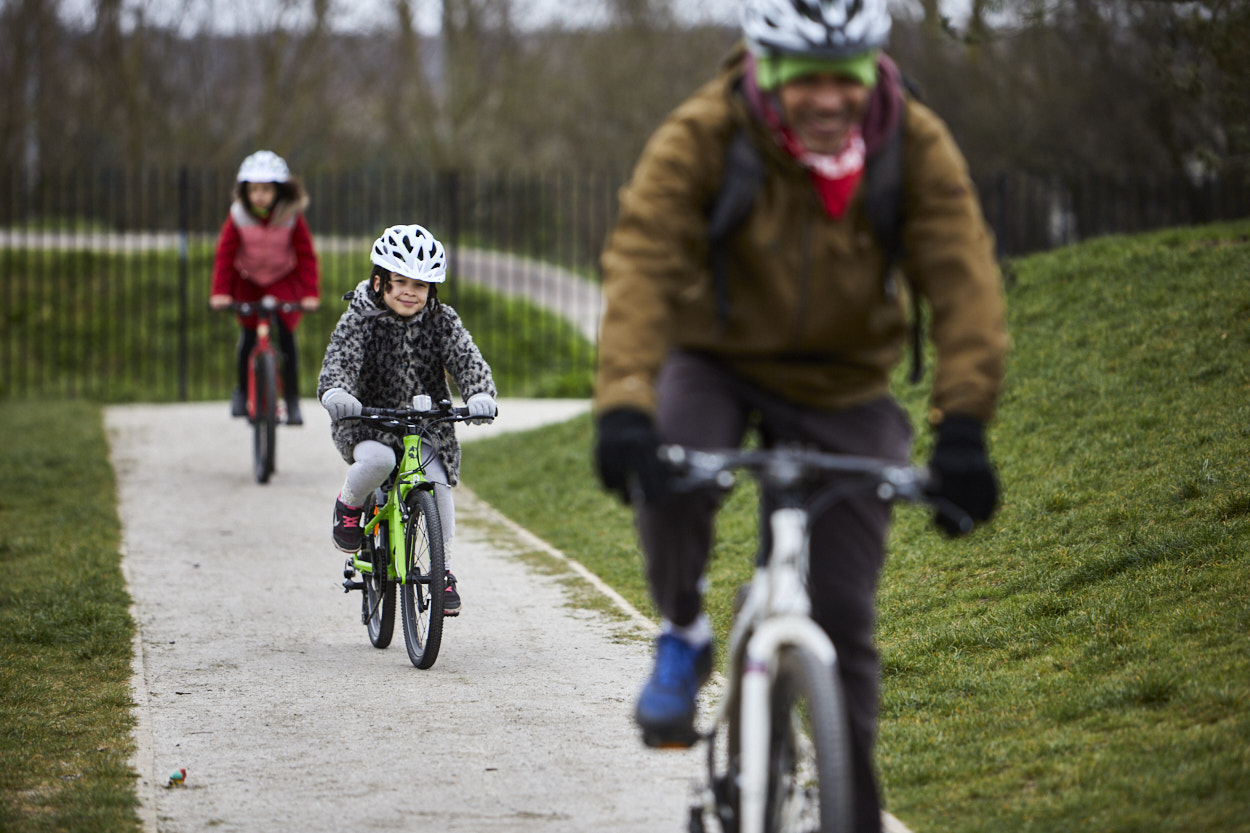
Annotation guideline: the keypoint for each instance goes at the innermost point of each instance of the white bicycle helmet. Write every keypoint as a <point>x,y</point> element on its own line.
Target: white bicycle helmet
<point>264,166</point>
<point>831,29</point>
<point>411,252</point>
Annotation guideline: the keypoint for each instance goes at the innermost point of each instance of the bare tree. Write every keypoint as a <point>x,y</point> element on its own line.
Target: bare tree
<point>1118,86</point>
<point>479,51</point>
<point>30,73</point>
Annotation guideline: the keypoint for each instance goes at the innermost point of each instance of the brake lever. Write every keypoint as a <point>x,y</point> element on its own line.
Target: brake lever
<point>947,510</point>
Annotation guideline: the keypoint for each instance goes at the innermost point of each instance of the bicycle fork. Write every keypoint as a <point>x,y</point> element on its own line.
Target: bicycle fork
<point>792,628</point>
<point>254,395</point>
<point>758,675</point>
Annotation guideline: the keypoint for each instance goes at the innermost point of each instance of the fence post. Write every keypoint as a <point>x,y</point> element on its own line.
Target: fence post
<point>451,185</point>
<point>184,221</point>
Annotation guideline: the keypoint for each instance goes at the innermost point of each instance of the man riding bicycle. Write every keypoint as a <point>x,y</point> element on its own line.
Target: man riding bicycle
<point>791,322</point>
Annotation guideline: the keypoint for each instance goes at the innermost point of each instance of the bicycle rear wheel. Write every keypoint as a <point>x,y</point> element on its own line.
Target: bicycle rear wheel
<point>377,601</point>
<point>421,596</point>
<point>809,762</point>
<point>265,419</point>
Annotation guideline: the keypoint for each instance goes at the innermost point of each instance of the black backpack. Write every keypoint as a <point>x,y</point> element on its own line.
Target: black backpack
<point>883,200</point>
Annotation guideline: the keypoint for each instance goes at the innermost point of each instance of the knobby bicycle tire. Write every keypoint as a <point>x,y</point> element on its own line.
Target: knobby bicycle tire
<point>377,602</point>
<point>421,597</point>
<point>264,425</point>
<point>809,761</point>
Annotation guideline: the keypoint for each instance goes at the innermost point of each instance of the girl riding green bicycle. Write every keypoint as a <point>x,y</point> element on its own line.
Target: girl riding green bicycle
<point>397,341</point>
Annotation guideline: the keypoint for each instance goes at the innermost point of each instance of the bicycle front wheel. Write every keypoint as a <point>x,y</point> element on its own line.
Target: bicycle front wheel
<point>809,761</point>
<point>422,594</point>
<point>265,420</point>
<point>377,602</point>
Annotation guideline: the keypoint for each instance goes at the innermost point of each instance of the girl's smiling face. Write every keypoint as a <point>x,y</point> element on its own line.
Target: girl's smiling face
<point>262,195</point>
<point>404,296</point>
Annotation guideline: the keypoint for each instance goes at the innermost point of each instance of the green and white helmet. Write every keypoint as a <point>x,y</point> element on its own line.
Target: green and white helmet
<point>264,166</point>
<point>410,252</point>
<point>833,29</point>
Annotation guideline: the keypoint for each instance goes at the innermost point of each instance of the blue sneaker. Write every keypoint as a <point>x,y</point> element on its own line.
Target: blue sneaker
<point>666,707</point>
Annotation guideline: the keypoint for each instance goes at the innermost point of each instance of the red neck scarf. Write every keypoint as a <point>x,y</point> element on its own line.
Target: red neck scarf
<point>835,176</point>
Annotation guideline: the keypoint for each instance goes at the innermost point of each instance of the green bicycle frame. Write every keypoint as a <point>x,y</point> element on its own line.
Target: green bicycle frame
<point>394,513</point>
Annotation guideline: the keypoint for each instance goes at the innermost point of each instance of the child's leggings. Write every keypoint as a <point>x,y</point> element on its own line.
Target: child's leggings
<point>290,358</point>
<point>374,463</point>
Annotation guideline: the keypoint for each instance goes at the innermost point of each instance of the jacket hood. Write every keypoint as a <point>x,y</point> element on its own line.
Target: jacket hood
<point>287,209</point>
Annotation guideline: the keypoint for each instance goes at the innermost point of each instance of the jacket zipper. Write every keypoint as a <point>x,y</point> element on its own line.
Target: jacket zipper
<point>805,278</point>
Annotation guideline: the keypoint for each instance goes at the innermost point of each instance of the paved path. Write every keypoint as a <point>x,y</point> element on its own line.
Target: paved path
<point>576,299</point>
<point>254,673</point>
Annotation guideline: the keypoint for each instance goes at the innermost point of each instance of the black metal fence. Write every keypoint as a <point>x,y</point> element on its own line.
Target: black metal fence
<point>1036,212</point>
<point>104,274</point>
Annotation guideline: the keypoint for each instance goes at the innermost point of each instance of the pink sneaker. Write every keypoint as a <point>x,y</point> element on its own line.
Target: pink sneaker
<point>451,601</point>
<point>347,532</point>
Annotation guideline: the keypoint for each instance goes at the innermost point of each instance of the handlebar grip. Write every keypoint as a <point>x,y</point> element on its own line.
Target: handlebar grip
<point>953,520</point>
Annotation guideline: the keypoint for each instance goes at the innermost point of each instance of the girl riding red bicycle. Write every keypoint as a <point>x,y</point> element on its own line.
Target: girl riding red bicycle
<point>265,248</point>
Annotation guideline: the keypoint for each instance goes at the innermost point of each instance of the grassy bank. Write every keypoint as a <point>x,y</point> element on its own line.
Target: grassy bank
<point>65,630</point>
<point>1084,662</point>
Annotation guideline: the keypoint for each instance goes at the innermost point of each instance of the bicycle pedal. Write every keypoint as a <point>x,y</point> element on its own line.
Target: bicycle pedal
<point>349,585</point>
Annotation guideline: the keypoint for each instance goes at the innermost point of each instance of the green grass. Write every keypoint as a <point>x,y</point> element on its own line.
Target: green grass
<point>107,326</point>
<point>65,627</point>
<point>1084,662</point>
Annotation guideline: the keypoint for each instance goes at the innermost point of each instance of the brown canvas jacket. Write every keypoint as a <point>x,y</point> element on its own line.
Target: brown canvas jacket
<point>809,318</point>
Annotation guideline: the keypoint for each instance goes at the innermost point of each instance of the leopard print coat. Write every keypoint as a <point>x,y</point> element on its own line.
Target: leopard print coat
<point>384,360</point>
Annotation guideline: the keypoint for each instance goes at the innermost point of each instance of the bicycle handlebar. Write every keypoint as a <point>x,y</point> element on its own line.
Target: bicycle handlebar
<point>401,420</point>
<point>264,305</point>
<point>443,409</point>
<point>791,469</point>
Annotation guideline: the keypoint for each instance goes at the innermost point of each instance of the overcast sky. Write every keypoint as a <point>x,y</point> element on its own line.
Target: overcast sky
<point>364,15</point>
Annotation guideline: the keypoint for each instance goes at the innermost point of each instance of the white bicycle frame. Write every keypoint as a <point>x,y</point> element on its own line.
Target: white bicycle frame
<point>775,614</point>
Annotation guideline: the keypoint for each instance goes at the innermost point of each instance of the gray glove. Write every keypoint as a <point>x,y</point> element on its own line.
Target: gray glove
<point>340,404</point>
<point>482,408</point>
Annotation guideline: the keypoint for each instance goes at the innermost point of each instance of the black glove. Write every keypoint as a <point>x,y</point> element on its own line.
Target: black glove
<point>626,446</point>
<point>965,476</point>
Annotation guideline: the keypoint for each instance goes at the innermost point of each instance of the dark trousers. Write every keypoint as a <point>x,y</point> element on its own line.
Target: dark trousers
<point>290,358</point>
<point>701,404</point>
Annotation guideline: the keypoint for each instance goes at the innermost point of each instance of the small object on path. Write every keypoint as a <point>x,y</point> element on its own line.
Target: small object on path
<point>177,777</point>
